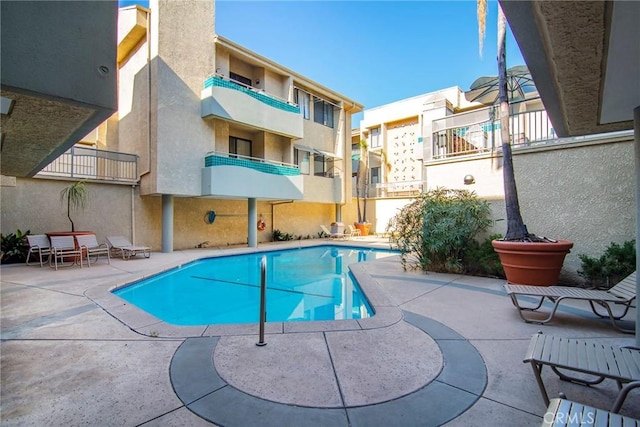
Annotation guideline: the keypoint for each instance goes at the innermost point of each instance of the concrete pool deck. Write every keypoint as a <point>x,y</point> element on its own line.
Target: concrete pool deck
<point>443,349</point>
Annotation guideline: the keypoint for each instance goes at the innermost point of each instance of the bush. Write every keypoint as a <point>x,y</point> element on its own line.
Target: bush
<point>479,259</point>
<point>279,236</point>
<point>615,264</point>
<point>433,232</point>
<point>14,247</point>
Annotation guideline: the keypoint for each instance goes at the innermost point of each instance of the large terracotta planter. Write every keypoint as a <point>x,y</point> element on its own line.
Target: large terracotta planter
<point>364,227</point>
<point>529,263</point>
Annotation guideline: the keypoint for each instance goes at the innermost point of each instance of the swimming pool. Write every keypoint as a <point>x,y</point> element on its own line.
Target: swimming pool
<point>302,284</point>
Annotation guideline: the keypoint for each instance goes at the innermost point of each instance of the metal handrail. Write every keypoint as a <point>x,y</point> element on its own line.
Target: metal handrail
<point>263,302</point>
<point>91,163</point>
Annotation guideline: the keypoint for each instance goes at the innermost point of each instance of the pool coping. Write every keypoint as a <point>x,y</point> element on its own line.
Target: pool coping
<point>139,321</point>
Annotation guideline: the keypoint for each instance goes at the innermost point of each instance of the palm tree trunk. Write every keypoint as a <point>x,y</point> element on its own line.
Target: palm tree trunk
<point>516,230</point>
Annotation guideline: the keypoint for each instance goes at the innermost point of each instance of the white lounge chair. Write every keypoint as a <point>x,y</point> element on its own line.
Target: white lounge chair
<point>64,251</point>
<point>91,248</point>
<point>600,361</point>
<point>120,245</point>
<point>332,235</point>
<point>623,294</point>
<point>39,245</point>
<point>353,231</point>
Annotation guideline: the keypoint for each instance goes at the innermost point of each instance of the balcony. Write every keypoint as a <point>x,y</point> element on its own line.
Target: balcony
<point>233,101</point>
<point>234,176</point>
<point>90,164</point>
<point>479,132</point>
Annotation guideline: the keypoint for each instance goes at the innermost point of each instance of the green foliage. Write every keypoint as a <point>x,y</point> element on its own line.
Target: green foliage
<point>480,259</point>
<point>279,236</point>
<point>14,247</point>
<point>615,264</point>
<point>434,231</point>
<point>76,195</point>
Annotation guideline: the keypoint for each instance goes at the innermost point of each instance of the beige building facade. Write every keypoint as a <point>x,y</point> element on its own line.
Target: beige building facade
<point>210,127</point>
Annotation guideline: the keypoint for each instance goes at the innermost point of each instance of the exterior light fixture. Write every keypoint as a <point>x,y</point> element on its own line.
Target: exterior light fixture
<point>469,179</point>
<point>6,105</point>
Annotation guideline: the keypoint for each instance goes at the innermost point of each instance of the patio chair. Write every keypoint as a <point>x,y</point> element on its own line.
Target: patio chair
<point>602,361</point>
<point>39,245</point>
<point>624,294</point>
<point>64,251</point>
<point>120,245</point>
<point>563,412</point>
<point>332,235</point>
<point>91,248</point>
<point>353,231</point>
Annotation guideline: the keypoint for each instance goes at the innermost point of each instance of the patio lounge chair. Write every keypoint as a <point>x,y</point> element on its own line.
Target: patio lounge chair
<point>92,248</point>
<point>353,232</point>
<point>332,235</point>
<point>64,251</point>
<point>624,293</point>
<point>120,245</point>
<point>38,245</point>
<point>562,412</point>
<point>621,364</point>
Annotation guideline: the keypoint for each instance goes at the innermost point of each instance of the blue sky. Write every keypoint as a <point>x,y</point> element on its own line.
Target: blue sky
<point>374,52</point>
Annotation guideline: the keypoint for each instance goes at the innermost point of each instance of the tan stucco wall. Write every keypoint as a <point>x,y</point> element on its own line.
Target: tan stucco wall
<point>581,193</point>
<point>34,204</point>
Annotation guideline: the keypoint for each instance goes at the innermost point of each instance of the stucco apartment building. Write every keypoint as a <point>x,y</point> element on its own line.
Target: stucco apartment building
<point>208,140</point>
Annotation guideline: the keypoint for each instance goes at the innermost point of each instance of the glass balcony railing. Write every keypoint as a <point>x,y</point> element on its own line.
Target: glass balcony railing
<point>93,164</point>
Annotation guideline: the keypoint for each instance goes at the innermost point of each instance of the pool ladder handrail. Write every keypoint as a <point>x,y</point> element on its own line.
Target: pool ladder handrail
<point>263,292</point>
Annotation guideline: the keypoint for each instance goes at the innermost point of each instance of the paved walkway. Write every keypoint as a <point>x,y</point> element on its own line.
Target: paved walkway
<point>442,350</point>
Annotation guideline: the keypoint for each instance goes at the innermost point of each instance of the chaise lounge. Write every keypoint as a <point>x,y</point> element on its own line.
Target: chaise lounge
<point>121,246</point>
<point>624,294</point>
<point>602,361</point>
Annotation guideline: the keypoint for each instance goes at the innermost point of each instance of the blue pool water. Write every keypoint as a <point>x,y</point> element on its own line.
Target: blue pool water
<point>302,284</point>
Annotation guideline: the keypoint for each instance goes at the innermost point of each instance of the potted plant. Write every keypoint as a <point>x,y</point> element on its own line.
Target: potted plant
<point>526,258</point>
<point>362,185</point>
<point>76,196</point>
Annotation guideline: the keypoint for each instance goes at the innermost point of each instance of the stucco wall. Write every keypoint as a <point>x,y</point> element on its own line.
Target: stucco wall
<point>581,193</point>
<point>34,204</point>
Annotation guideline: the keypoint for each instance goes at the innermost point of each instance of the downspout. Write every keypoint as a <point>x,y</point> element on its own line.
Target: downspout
<point>133,218</point>
<point>273,212</point>
<point>148,95</point>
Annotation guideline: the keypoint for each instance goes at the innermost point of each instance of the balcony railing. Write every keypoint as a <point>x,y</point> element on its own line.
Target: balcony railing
<point>393,189</point>
<point>214,158</point>
<point>93,164</point>
<point>261,96</point>
<point>481,133</point>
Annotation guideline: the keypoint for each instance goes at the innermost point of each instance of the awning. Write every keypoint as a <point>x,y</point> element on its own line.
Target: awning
<point>316,151</point>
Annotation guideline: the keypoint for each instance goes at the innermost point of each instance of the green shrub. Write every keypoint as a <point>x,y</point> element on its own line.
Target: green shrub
<point>479,259</point>
<point>279,236</point>
<point>14,247</point>
<point>433,232</point>
<point>615,264</point>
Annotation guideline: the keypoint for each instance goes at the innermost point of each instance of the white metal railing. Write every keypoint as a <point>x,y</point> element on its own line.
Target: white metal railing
<point>393,189</point>
<point>479,132</point>
<point>219,158</point>
<point>93,164</point>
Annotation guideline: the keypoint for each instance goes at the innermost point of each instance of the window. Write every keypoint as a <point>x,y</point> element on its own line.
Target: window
<point>239,78</point>
<point>375,138</point>
<point>301,159</point>
<point>375,175</point>
<point>319,165</point>
<point>322,112</point>
<point>239,147</point>
<point>301,98</point>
